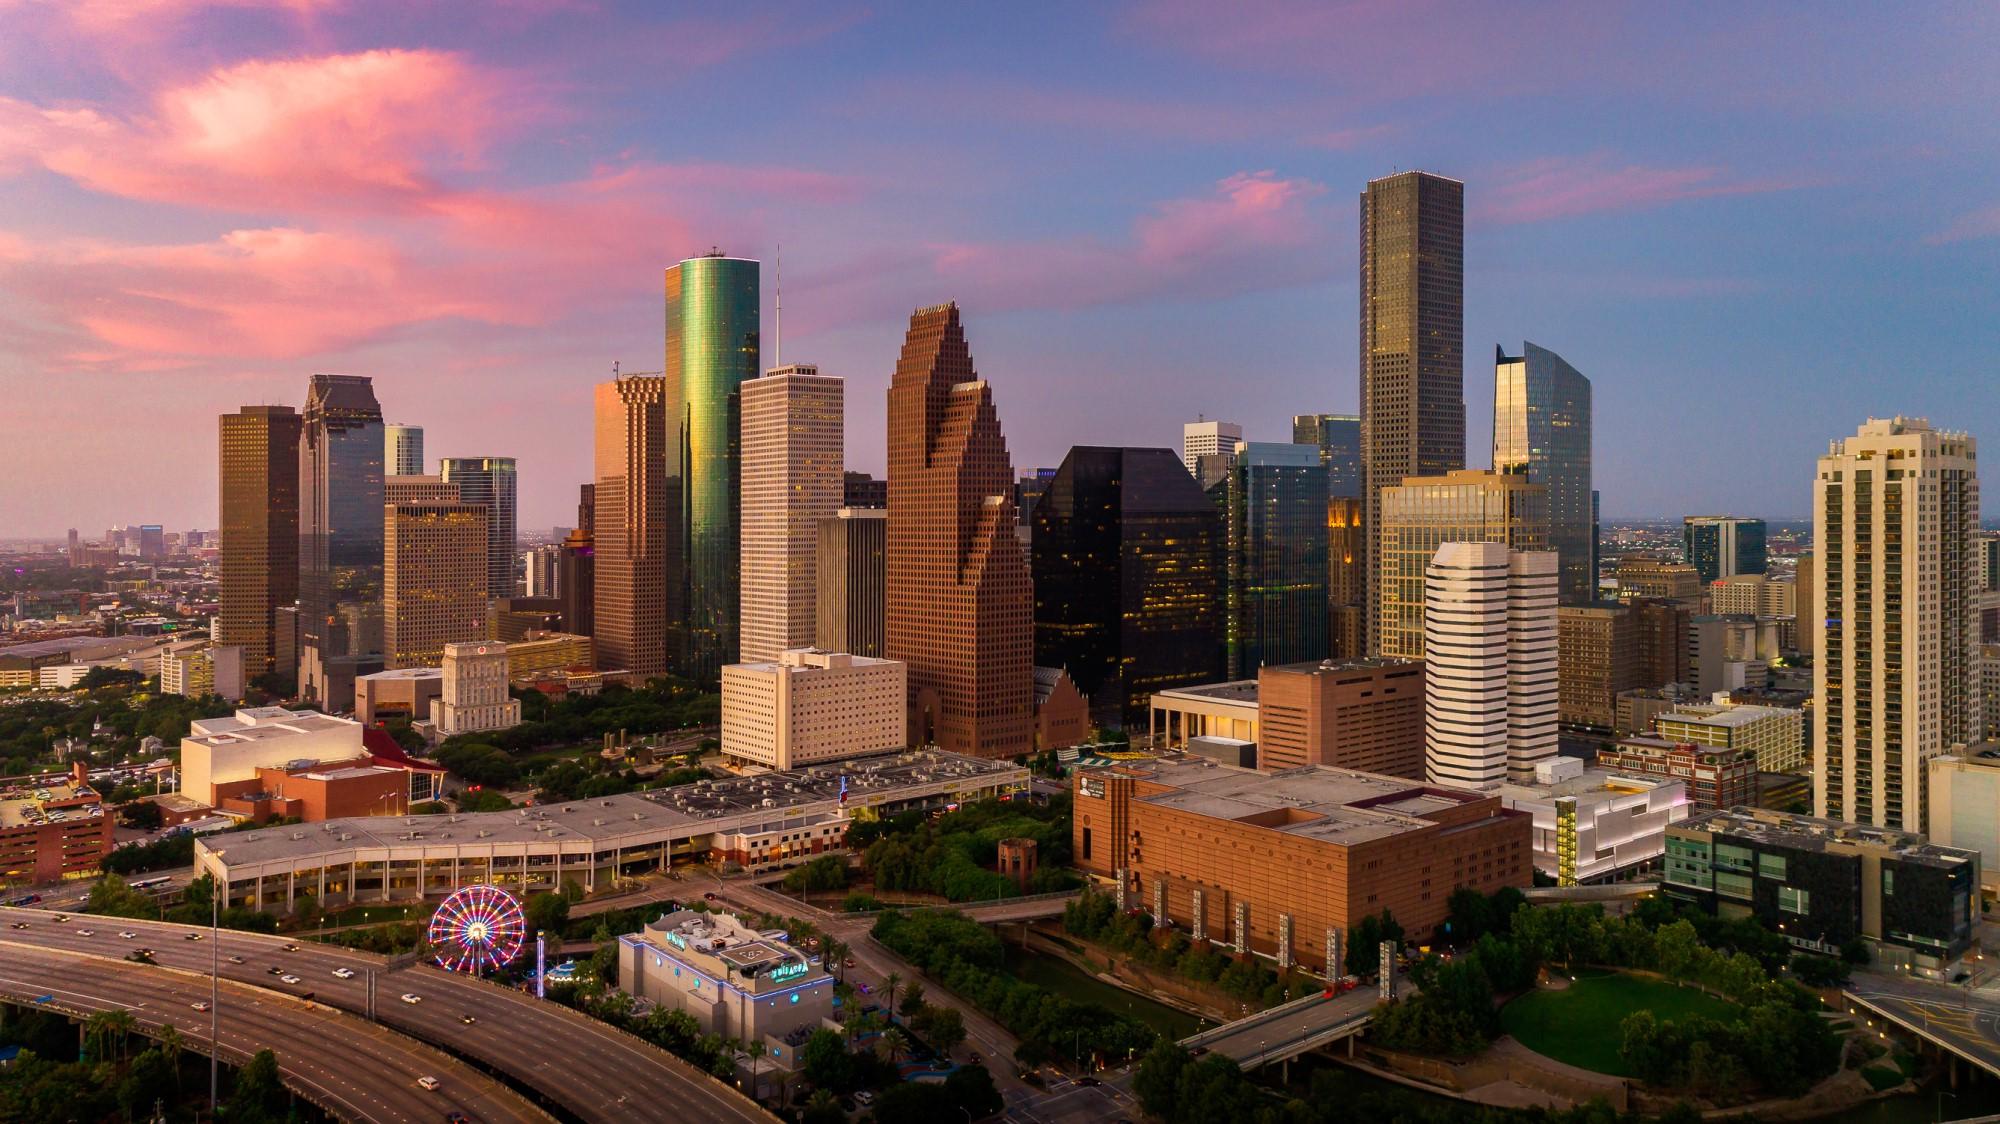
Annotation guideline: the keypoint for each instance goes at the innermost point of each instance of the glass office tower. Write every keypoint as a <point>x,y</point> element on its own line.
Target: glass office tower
<point>1723,546</point>
<point>492,481</point>
<point>712,350</point>
<point>1338,437</point>
<point>1541,430</point>
<point>1274,509</point>
<point>340,524</point>
<point>1128,571</point>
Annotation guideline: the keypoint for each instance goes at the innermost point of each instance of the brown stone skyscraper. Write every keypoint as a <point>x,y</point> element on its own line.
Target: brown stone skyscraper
<point>631,548</point>
<point>259,515</point>
<point>960,606</point>
<point>1412,344</point>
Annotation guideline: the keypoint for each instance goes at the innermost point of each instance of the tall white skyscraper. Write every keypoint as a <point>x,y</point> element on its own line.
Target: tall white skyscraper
<point>792,456</point>
<point>403,450</point>
<point>1895,633</point>
<point>1204,438</point>
<point>1490,674</point>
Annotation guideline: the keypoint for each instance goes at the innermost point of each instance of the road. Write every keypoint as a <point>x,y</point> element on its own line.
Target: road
<point>1279,1031</point>
<point>1964,1020</point>
<point>353,1068</point>
<point>591,1071</point>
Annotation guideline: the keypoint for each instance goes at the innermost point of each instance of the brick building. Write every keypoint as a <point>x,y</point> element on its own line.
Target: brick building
<point>49,832</point>
<point>1716,776</point>
<point>1365,714</point>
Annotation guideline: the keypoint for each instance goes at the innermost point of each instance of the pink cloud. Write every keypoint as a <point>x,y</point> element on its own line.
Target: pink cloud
<point>1983,223</point>
<point>1564,187</point>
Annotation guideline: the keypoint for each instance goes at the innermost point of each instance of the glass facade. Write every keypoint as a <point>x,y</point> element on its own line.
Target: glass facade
<point>712,350</point>
<point>492,481</point>
<point>1541,430</point>
<point>1274,506</point>
<point>1722,546</point>
<point>1421,515</point>
<point>1134,523</point>
<point>1338,437</point>
<point>340,517</point>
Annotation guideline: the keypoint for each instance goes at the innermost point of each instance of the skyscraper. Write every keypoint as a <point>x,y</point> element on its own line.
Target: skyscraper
<point>1128,569</point>
<point>1424,513</point>
<point>1412,344</point>
<point>1490,693</point>
<point>1208,438</point>
<point>632,549</point>
<point>340,531</point>
<point>403,450</point>
<point>259,514</point>
<point>792,450</point>
<point>1541,430</point>
<point>959,598</point>
<point>1895,640</point>
<point>434,584</point>
<point>1723,546</point>
<point>1338,438</point>
<point>712,350</point>
<point>492,481</point>
<point>76,546</point>
<point>849,576</point>
<point>1274,512</point>
<point>577,576</point>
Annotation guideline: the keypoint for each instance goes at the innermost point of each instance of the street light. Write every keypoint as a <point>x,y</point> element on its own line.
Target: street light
<point>214,985</point>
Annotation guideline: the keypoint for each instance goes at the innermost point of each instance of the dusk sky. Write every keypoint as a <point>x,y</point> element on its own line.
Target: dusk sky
<point>1751,226</point>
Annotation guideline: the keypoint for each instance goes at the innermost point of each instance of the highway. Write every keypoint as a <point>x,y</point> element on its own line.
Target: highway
<point>1964,1020</point>
<point>1292,1029</point>
<point>351,1067</point>
<point>577,1065</point>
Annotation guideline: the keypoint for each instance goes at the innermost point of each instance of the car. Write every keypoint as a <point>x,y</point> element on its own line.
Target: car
<point>343,973</point>
<point>18,925</point>
<point>864,1098</point>
<point>975,1057</point>
<point>710,895</point>
<point>274,970</point>
<point>86,932</point>
<point>412,997</point>
<point>865,989</point>
<point>236,960</point>
<point>200,1005</point>
<point>848,962</point>
<point>128,935</point>
<point>1090,1082</point>
<point>456,1117</point>
<point>288,978</point>
<point>193,936</point>
<point>467,1019</point>
<point>60,917</point>
<point>291,948</point>
<point>428,1082</point>
<point>142,951</point>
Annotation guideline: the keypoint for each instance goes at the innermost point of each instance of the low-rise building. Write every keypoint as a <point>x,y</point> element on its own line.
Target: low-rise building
<point>1715,776</point>
<point>1062,714</point>
<point>404,692</point>
<point>1821,883</point>
<point>52,830</point>
<point>1595,826</point>
<point>314,793</point>
<point>1364,714</point>
<point>1775,734</point>
<point>1283,864</point>
<point>1227,710</point>
<point>737,982</point>
<point>810,706</point>
<point>220,751</point>
<point>545,654</point>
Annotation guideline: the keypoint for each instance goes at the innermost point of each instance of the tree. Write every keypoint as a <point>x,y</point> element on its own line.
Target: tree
<point>1677,949</point>
<point>150,1078</point>
<point>756,1051</point>
<point>825,1060</point>
<point>547,913</point>
<point>104,1034</point>
<point>889,984</point>
<point>260,1092</point>
<point>823,1108</point>
<point>913,999</point>
<point>972,1087</point>
<point>171,1044</point>
<point>943,1027</point>
<point>142,814</point>
<point>1157,1083</point>
<point>894,1044</point>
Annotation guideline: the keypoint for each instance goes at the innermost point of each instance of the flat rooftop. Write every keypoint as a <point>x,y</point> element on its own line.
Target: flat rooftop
<point>1734,716</point>
<point>33,805</point>
<point>1336,667</point>
<point>1811,833</point>
<point>1318,801</point>
<point>1235,691</point>
<point>405,673</point>
<point>264,723</point>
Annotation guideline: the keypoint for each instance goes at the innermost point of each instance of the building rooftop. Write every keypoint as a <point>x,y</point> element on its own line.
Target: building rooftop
<point>1334,667</point>
<point>1319,801</point>
<point>34,805</point>
<point>743,953</point>
<point>1235,691</point>
<point>1592,786</point>
<point>405,673</point>
<point>1811,833</point>
<point>263,723</point>
<point>1731,716</point>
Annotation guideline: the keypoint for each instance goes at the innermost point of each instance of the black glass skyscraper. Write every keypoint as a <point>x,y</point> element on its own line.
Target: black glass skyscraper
<point>1338,437</point>
<point>340,523</point>
<point>1274,506</point>
<point>1128,570</point>
<point>1723,546</point>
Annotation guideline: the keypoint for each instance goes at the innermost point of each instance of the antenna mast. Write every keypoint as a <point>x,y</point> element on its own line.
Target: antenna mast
<point>778,316</point>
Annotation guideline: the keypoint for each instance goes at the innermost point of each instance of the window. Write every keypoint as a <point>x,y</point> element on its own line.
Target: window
<point>1888,881</point>
<point>1771,866</point>
<point>1086,843</point>
<point>1731,857</point>
<point>1793,900</point>
<point>1732,885</point>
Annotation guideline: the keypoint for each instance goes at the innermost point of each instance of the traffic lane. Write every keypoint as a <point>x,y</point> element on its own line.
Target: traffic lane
<point>380,1084</point>
<point>511,1031</point>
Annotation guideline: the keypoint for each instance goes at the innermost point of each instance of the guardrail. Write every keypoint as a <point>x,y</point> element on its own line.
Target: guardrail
<point>1230,1029</point>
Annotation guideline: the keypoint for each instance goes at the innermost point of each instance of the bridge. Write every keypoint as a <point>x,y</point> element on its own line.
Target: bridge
<point>1961,1023</point>
<point>1595,892</point>
<point>1286,1031</point>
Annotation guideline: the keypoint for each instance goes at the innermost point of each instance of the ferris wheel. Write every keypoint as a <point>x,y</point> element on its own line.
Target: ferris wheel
<point>477,929</point>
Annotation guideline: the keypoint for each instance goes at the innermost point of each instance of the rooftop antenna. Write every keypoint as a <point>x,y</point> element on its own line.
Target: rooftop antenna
<point>778,315</point>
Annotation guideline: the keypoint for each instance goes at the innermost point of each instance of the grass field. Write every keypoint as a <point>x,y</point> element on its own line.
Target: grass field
<point>1579,1024</point>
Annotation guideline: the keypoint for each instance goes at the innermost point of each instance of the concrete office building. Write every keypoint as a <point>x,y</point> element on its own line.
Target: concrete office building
<point>959,597</point>
<point>1273,863</point>
<point>210,669</point>
<point>850,576</point>
<point>1597,659</point>
<point>418,489</point>
<point>1128,570</point>
<point>1722,546</point>
<point>1753,595</point>
<point>1989,689</point>
<point>541,569</point>
<point>1595,826</point>
<point>809,706</point>
<point>1346,583</point>
<point>1412,354</point>
<point>1490,701</point>
<point>1273,506</point>
<point>549,654</point>
<point>1220,710</point>
<point>405,692</point>
<point>403,450</point>
<point>1542,430</point>
<point>1420,515</point>
<point>258,471</point>
<point>1208,438</point>
<point>1715,777</point>
<point>792,434</point>
<point>576,575</point>
<point>1895,643</point>
<point>1364,714</point>
<point>1774,735</point>
<point>1646,575</point>
<point>1965,806</point>
<point>858,489</point>
<point>475,694</point>
<point>736,982</point>
<point>434,591</point>
<point>631,549</point>
<point>340,537</point>
<point>512,618</point>
<point>1822,883</point>
<point>495,483</point>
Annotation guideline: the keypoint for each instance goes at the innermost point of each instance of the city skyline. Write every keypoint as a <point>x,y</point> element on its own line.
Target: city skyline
<point>1674,260</point>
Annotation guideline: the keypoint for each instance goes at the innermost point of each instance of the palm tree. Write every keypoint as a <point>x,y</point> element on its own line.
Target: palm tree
<point>889,983</point>
<point>835,952</point>
<point>171,1044</point>
<point>756,1052</point>
<point>822,1101</point>
<point>105,1031</point>
<point>893,1043</point>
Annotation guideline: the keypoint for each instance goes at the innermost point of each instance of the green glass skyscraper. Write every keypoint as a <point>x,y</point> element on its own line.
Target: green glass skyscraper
<point>712,350</point>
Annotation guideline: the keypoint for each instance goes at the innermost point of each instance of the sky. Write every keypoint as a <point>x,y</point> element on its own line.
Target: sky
<point>1751,226</point>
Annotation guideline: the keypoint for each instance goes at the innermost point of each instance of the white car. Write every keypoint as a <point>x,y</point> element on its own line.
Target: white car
<point>86,932</point>
<point>427,1081</point>
<point>343,973</point>
<point>128,934</point>
<point>288,978</point>
<point>412,997</point>
<point>200,1006</point>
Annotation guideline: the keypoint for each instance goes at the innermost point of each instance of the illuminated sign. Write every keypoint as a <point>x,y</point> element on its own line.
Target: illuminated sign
<point>787,971</point>
<point>677,941</point>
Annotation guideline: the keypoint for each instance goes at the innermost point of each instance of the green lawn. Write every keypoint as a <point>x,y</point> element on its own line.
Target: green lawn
<point>1579,1025</point>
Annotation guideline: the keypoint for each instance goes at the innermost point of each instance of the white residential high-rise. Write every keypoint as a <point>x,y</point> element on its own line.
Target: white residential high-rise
<point>1490,674</point>
<point>809,706</point>
<point>1895,635</point>
<point>1207,437</point>
<point>792,450</point>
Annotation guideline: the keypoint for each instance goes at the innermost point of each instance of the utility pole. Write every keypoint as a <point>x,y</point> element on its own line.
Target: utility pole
<point>214,990</point>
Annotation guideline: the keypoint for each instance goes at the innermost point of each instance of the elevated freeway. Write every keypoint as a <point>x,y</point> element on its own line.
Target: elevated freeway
<point>567,1062</point>
<point>350,1067</point>
<point>1288,1030</point>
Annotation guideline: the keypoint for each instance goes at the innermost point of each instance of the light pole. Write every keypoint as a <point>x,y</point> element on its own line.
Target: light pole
<point>214,987</point>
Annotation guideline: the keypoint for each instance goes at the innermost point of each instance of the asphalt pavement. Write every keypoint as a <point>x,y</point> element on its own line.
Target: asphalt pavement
<point>1965,1019</point>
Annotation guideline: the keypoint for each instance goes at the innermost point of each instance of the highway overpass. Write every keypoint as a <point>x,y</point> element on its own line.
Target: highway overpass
<point>347,1066</point>
<point>1290,1029</point>
<point>568,1062</point>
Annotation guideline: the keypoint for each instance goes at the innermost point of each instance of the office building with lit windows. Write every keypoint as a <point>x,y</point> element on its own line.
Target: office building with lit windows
<point>493,482</point>
<point>1273,507</point>
<point>630,544</point>
<point>434,591</point>
<point>791,480</point>
<point>1422,514</point>
<point>1541,430</point>
<point>340,537</point>
<point>403,450</point>
<point>1490,687</point>
<point>259,506</point>
<point>1723,546</point>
